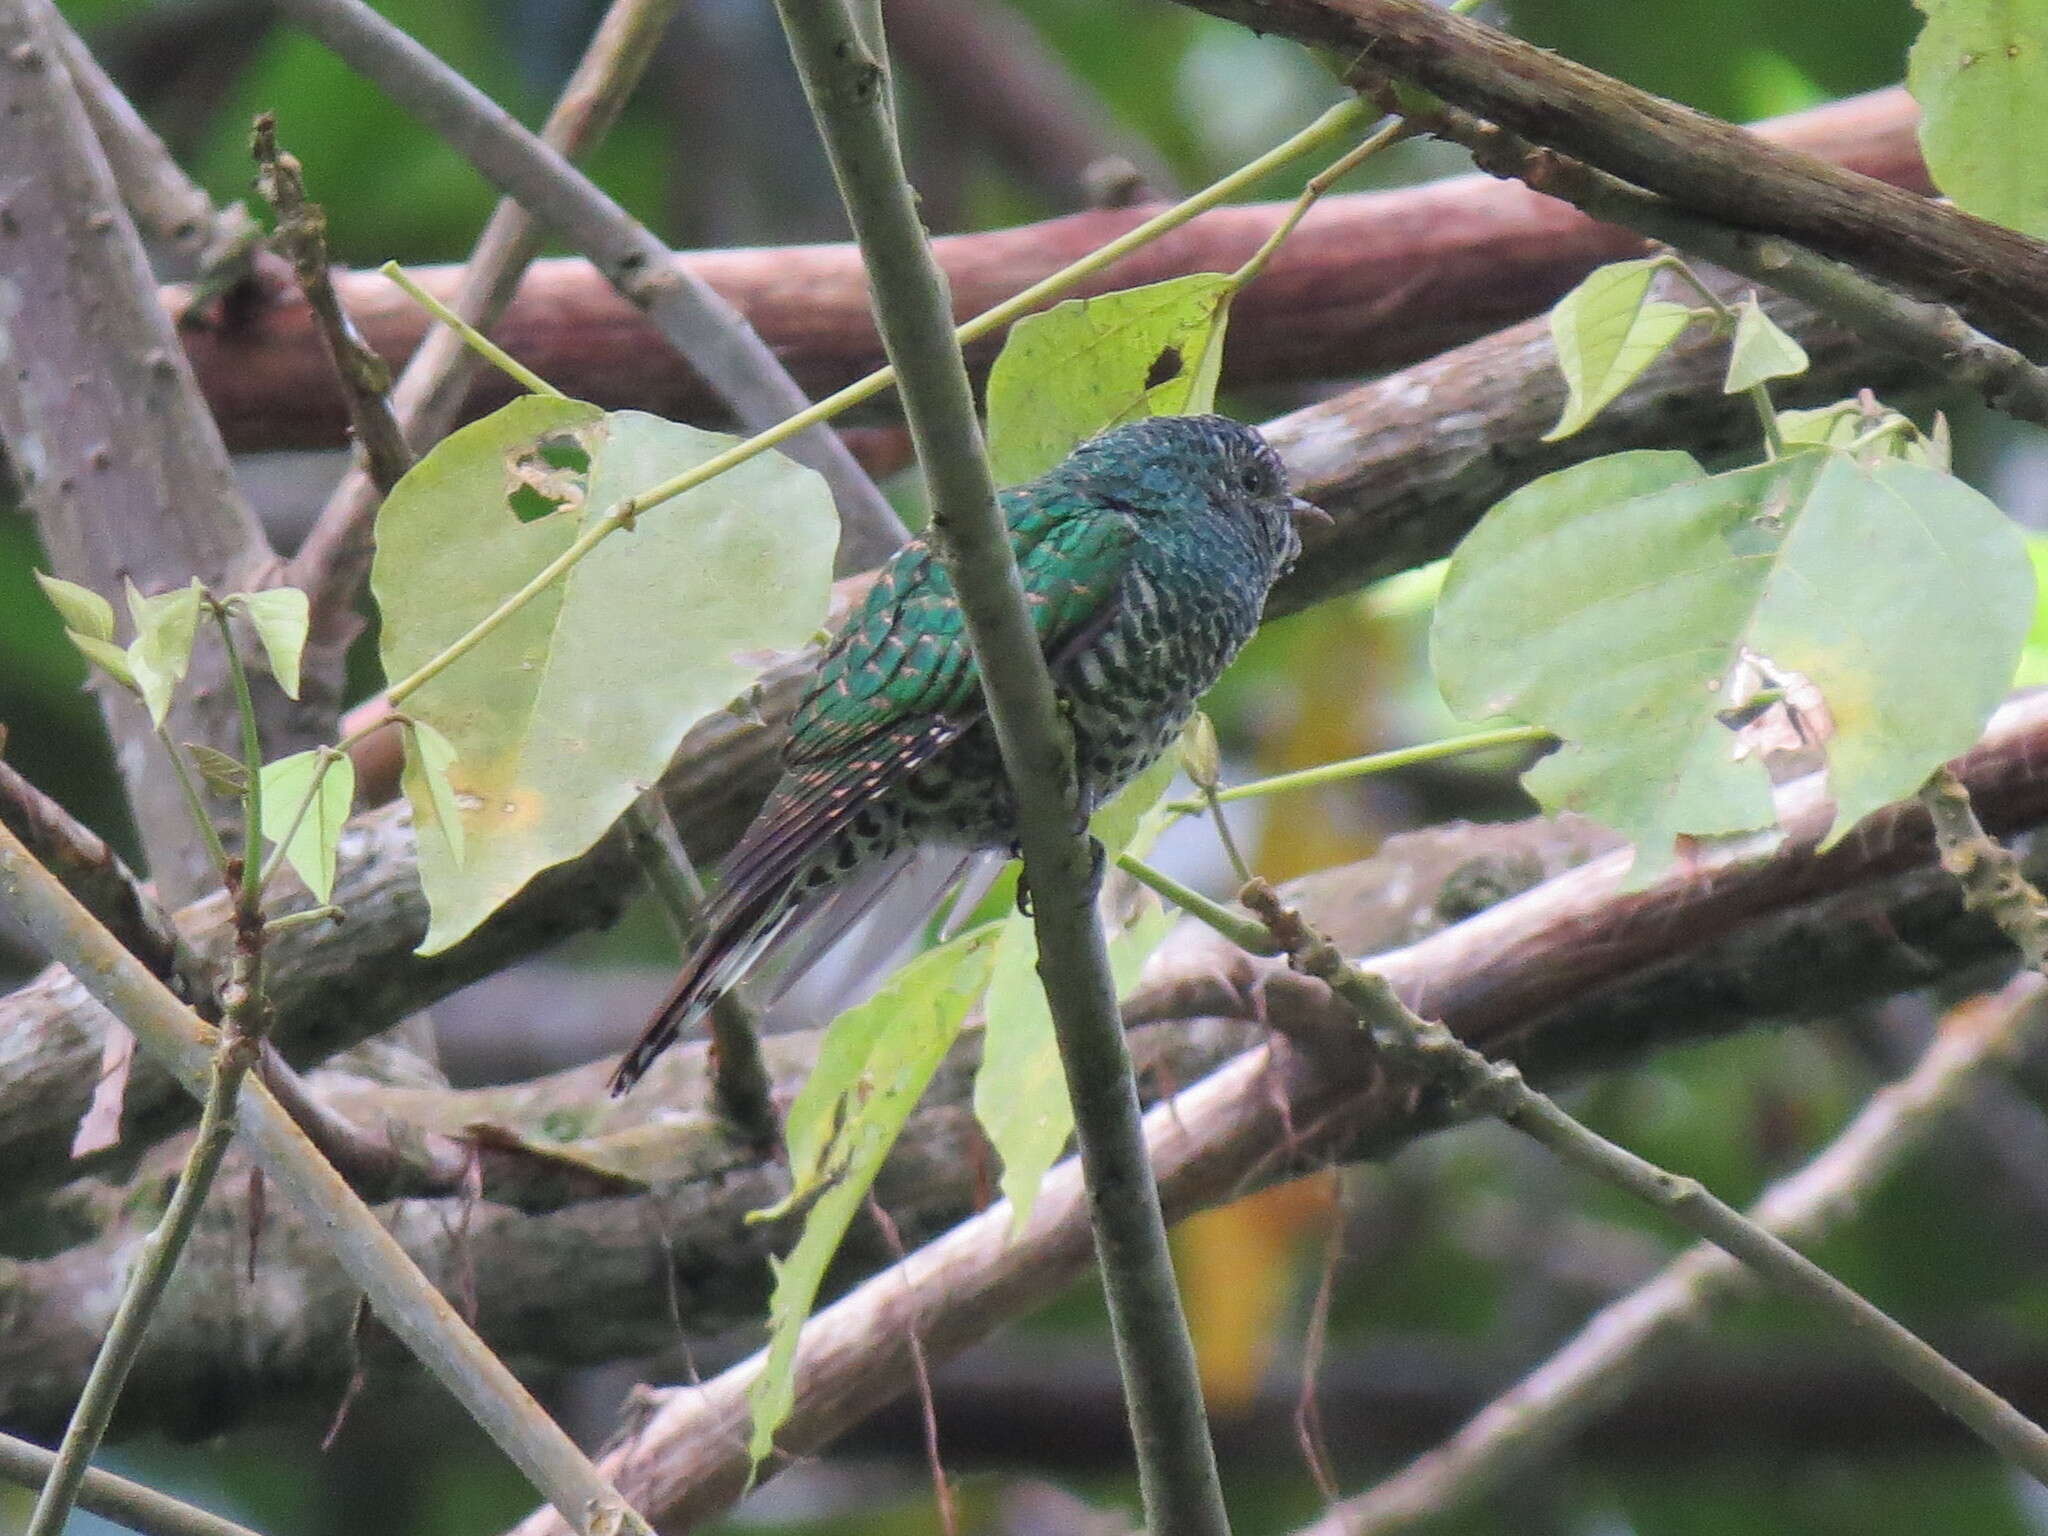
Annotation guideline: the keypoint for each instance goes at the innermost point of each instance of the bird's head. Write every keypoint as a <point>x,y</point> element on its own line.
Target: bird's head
<point>1187,467</point>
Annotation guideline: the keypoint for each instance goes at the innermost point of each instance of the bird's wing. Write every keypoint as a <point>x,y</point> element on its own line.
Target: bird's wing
<point>903,662</point>
<point>899,686</point>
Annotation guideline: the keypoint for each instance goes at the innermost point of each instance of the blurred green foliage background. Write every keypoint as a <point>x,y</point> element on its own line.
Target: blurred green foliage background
<point>1468,1257</point>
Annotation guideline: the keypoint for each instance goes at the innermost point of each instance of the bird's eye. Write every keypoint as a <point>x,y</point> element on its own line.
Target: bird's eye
<point>1250,478</point>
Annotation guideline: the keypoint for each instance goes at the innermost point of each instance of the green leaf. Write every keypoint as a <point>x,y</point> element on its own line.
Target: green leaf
<point>162,649</point>
<point>1020,1092</point>
<point>1087,365</point>
<point>83,610</point>
<point>428,757</point>
<point>1761,351</point>
<point>1979,70</point>
<point>226,776</point>
<point>107,656</point>
<point>575,705</point>
<point>1607,331</point>
<point>2033,668</point>
<point>872,1068</point>
<point>309,848</point>
<point>1643,610</point>
<point>279,617</point>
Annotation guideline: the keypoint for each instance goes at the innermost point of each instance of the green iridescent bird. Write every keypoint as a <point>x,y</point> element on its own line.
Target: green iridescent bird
<point>1146,557</point>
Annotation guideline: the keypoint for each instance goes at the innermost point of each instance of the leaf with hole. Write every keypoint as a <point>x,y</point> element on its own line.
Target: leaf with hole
<point>1672,625</point>
<point>1979,71</point>
<point>1607,331</point>
<point>873,1067</point>
<point>165,626</point>
<point>309,829</point>
<point>1761,352</point>
<point>280,618</point>
<point>575,704</point>
<point>1087,365</point>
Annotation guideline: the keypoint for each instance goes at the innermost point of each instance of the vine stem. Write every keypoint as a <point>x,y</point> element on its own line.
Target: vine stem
<point>847,86</point>
<point>1339,120</point>
<point>1375,762</point>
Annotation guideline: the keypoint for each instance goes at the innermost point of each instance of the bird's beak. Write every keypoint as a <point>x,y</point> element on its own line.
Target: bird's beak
<point>1307,514</point>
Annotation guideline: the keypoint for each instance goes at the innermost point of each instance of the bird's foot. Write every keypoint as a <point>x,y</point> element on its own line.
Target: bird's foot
<point>1098,863</point>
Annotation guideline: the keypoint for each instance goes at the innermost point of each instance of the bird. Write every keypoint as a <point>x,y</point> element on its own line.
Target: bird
<point>1145,557</point>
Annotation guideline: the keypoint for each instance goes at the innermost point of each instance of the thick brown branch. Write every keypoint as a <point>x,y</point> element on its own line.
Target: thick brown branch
<point>1370,281</point>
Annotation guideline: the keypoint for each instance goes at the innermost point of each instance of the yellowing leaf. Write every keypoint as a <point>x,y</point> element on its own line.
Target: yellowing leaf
<point>309,829</point>
<point>574,705</point>
<point>1650,614</point>
<point>1087,365</point>
<point>1607,331</point>
<point>428,757</point>
<point>279,617</point>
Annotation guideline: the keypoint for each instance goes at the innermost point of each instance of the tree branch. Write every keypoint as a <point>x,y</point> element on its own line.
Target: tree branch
<point>1723,947</point>
<point>124,1502</point>
<point>1371,281</point>
<point>1993,275</point>
<point>195,239</point>
<point>701,326</point>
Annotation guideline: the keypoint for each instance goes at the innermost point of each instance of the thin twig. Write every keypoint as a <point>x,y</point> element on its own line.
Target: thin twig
<point>301,238</point>
<point>334,559</point>
<point>406,1300</point>
<point>850,99</point>
<point>1987,870</point>
<point>1620,1344</point>
<point>1499,1089</point>
<point>116,1498</point>
<point>699,324</point>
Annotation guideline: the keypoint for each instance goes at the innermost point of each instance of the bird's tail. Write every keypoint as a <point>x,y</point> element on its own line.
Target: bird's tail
<point>785,916</point>
<point>742,927</point>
